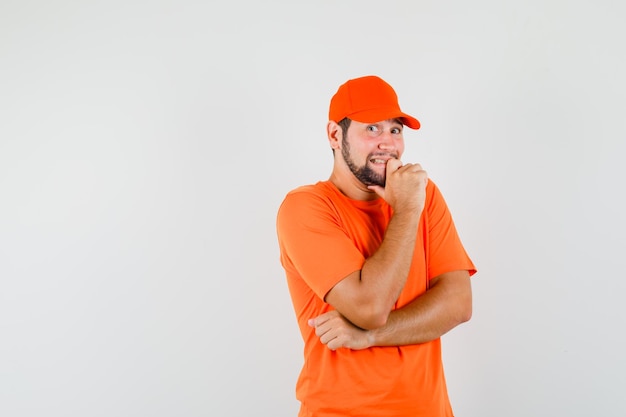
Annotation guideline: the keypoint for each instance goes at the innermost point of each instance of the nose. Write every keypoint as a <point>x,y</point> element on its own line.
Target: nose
<point>386,141</point>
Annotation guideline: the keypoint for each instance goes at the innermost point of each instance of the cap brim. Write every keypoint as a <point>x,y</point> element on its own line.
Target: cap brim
<point>377,115</point>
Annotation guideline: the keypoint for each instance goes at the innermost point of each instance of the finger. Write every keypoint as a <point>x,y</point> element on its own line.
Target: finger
<point>322,318</point>
<point>320,330</point>
<point>380,191</point>
<point>327,337</point>
<point>334,344</point>
<point>324,328</point>
<point>412,167</point>
<point>393,164</point>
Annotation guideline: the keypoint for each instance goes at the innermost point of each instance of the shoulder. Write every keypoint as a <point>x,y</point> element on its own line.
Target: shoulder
<point>310,210</point>
<point>435,202</point>
<point>432,190</point>
<point>320,189</point>
<point>307,199</point>
<point>308,194</point>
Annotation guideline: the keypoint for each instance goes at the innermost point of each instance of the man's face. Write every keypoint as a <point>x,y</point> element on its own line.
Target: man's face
<point>367,147</point>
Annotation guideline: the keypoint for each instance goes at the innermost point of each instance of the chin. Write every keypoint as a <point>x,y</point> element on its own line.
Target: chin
<point>381,181</point>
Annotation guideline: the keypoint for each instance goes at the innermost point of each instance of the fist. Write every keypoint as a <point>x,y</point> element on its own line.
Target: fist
<point>405,187</point>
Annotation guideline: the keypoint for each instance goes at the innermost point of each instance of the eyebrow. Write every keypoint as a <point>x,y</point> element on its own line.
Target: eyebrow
<point>396,120</point>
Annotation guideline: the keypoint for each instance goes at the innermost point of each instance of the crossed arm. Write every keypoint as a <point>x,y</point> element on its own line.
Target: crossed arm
<point>446,304</point>
<point>363,300</point>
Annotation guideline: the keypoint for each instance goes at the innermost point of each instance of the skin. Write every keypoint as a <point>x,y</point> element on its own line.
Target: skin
<point>363,301</point>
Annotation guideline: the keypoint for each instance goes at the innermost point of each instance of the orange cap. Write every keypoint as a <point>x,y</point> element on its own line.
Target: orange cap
<point>368,99</point>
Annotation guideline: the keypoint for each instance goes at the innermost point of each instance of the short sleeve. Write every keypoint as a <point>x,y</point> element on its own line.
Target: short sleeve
<point>445,250</point>
<point>313,244</point>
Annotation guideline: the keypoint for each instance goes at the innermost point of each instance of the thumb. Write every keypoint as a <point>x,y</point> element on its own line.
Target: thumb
<point>392,165</point>
<point>378,190</point>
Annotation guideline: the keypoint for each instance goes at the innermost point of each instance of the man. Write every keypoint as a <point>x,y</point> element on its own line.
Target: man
<point>375,268</point>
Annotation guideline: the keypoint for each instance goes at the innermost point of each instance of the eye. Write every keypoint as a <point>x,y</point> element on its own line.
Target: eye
<point>372,128</point>
<point>396,130</point>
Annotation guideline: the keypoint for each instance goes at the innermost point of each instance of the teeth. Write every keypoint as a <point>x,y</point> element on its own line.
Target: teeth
<point>378,161</point>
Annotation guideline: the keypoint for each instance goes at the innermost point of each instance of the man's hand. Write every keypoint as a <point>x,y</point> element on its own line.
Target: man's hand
<point>405,186</point>
<point>335,331</point>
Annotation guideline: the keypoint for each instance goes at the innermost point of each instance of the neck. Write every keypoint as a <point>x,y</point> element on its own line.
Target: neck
<point>350,186</point>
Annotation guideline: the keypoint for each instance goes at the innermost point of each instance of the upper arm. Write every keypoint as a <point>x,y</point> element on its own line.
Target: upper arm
<point>456,290</point>
<point>446,251</point>
<point>348,297</point>
<point>459,278</point>
<point>312,244</point>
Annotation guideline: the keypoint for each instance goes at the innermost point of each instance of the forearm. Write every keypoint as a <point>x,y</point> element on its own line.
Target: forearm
<point>444,306</point>
<point>367,296</point>
<point>386,271</point>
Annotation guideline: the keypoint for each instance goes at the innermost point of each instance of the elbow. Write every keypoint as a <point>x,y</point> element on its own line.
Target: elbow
<point>461,307</point>
<point>372,317</point>
<point>465,312</point>
<point>375,322</point>
<point>372,324</point>
<point>466,316</point>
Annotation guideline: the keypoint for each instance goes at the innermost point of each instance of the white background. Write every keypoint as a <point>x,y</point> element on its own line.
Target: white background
<point>145,147</point>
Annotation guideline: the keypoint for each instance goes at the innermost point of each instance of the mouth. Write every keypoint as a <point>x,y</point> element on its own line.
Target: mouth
<point>381,159</point>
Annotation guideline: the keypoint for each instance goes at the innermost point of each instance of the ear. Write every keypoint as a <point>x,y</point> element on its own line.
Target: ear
<point>334,132</point>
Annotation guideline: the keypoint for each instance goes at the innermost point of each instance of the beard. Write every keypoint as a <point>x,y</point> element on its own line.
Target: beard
<point>364,173</point>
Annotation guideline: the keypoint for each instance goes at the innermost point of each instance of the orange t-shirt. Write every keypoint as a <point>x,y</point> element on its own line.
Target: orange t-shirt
<point>324,236</point>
